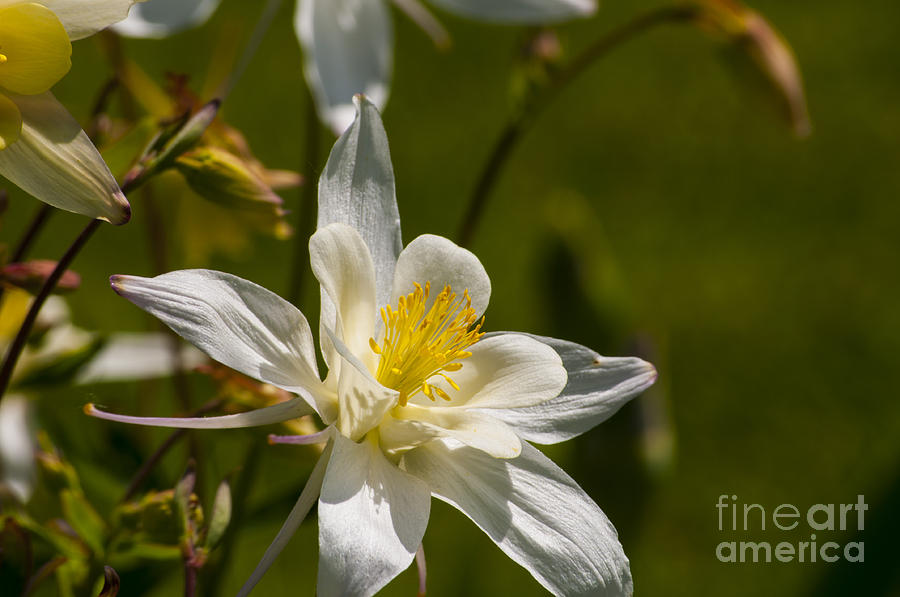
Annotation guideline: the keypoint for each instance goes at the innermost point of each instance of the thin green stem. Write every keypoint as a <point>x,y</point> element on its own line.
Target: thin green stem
<point>259,32</point>
<point>520,123</point>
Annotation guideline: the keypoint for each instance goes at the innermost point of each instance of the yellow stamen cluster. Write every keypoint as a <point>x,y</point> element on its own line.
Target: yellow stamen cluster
<point>419,345</point>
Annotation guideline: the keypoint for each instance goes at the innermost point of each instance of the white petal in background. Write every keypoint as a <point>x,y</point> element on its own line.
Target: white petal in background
<point>236,322</point>
<point>372,517</point>
<point>54,161</point>
<point>348,48</point>
<point>82,18</point>
<point>160,18</point>
<point>520,11</point>
<point>534,512</point>
<point>133,356</point>
<point>597,388</point>
<point>17,467</point>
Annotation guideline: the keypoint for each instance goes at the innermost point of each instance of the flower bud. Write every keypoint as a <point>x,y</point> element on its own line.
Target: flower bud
<point>768,50</point>
<point>223,178</point>
<point>31,275</point>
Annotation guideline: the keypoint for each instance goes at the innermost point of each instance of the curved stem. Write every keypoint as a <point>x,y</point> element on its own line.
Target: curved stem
<point>15,349</point>
<point>18,344</point>
<point>521,122</point>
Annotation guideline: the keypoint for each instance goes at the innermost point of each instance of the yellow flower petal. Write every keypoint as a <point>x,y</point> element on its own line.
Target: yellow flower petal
<point>10,122</point>
<point>35,51</point>
<point>13,308</point>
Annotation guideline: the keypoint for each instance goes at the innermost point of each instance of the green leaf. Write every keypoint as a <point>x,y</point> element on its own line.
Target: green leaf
<point>220,517</point>
<point>84,519</point>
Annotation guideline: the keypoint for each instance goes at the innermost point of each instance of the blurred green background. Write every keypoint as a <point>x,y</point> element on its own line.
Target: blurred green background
<point>658,207</point>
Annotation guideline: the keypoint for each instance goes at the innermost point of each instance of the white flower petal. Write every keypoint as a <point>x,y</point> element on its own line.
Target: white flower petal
<point>348,48</point>
<point>343,266</point>
<point>520,11</point>
<point>54,160</point>
<point>129,357</point>
<point>236,322</point>
<point>534,512</point>
<point>17,466</point>
<point>504,371</point>
<point>357,188</point>
<point>277,413</point>
<point>161,18</point>
<point>362,401</point>
<point>597,388</point>
<point>435,259</point>
<point>416,425</point>
<point>372,517</point>
<point>298,513</point>
<point>82,18</point>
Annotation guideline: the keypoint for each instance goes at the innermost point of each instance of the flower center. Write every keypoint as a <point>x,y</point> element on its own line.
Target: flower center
<point>419,345</point>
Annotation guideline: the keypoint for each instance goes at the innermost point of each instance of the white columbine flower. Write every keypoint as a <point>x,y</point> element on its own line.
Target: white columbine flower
<point>418,401</point>
<point>348,45</point>
<point>42,148</point>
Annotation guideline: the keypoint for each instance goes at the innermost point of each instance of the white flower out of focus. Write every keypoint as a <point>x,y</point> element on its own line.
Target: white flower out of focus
<point>348,45</point>
<point>418,400</point>
<point>42,147</point>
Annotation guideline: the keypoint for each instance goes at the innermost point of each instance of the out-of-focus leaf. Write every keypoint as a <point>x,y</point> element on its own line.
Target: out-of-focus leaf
<point>63,369</point>
<point>84,519</point>
<point>56,535</point>
<point>72,578</point>
<point>121,154</point>
<point>58,474</point>
<point>43,573</point>
<point>145,91</point>
<point>190,513</point>
<point>133,551</point>
<point>221,515</point>
<point>183,491</point>
<point>154,517</point>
